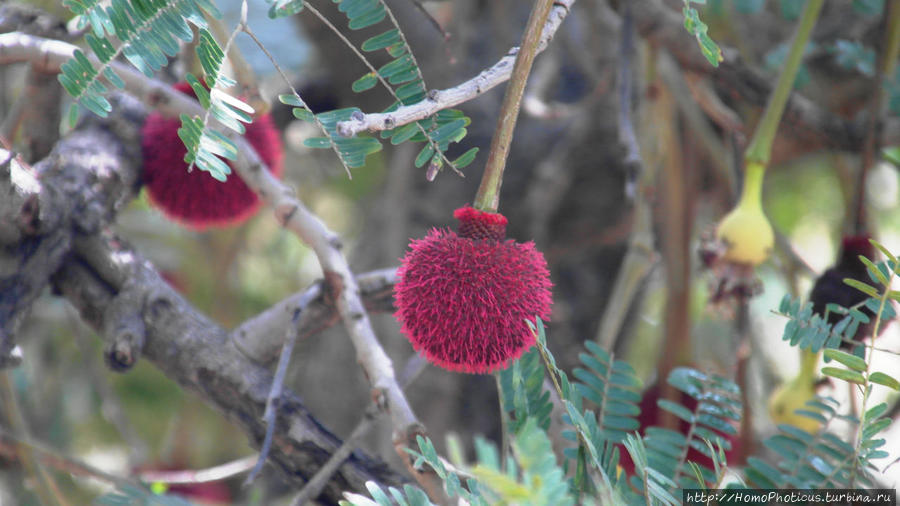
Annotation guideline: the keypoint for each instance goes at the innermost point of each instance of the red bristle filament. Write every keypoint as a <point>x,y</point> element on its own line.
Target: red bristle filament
<point>463,301</point>
<point>195,199</point>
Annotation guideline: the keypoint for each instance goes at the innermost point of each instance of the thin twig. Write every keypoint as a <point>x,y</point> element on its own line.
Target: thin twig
<point>627,137</point>
<point>243,72</point>
<point>110,406</point>
<point>285,78</point>
<point>437,100</point>
<point>46,489</point>
<point>61,462</point>
<point>271,413</point>
<point>437,26</point>
<point>293,215</point>
<point>195,476</point>
<point>314,486</point>
<point>261,337</point>
<point>227,49</point>
<point>377,74</point>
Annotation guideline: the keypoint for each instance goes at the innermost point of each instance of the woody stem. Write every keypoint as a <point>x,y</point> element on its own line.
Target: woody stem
<point>488,196</point>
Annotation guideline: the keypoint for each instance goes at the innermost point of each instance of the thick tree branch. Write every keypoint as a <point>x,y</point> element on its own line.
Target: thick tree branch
<point>197,353</point>
<point>41,219</point>
<point>262,336</point>
<point>60,236</point>
<point>49,55</point>
<point>437,100</point>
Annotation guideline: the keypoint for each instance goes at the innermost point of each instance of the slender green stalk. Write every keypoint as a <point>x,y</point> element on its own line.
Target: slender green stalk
<point>504,423</point>
<point>867,388</point>
<point>488,196</point>
<point>751,193</point>
<point>760,147</point>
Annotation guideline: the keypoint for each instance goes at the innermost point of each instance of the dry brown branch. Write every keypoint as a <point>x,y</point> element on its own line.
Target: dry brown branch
<point>437,100</point>
<point>49,55</point>
<point>58,234</point>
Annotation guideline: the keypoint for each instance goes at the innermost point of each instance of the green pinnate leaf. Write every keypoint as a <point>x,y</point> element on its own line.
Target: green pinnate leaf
<point>366,82</point>
<point>884,379</point>
<point>863,287</point>
<point>466,158</point>
<point>851,361</point>
<point>844,374</point>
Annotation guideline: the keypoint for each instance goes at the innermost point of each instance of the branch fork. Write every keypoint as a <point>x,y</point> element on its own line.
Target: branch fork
<point>437,100</point>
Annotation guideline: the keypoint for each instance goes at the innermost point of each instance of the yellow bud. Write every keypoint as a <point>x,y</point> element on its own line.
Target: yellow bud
<point>789,397</point>
<point>746,231</point>
<point>794,395</point>
<point>747,235</point>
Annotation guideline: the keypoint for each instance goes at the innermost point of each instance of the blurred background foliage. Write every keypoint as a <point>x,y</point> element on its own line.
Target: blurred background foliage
<point>564,189</point>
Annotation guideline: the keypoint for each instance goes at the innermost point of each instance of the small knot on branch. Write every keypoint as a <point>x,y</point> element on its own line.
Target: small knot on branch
<point>121,355</point>
<point>124,330</point>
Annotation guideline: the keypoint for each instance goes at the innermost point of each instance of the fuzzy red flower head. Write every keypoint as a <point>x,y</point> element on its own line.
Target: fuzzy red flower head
<point>463,298</point>
<point>195,199</point>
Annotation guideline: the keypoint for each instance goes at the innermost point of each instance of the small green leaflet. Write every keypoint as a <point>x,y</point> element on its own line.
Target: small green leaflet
<point>698,29</point>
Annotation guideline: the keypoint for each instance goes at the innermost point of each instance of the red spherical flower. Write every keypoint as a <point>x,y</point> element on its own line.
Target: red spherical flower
<point>463,299</point>
<point>195,199</point>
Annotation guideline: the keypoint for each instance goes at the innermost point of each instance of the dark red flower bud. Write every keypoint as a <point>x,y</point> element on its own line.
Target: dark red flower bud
<point>830,288</point>
<point>652,416</point>
<point>195,199</point>
<point>463,299</point>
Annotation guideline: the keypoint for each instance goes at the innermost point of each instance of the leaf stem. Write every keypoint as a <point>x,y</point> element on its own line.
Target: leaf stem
<point>867,389</point>
<point>760,147</point>
<point>488,196</point>
<point>504,423</point>
<point>751,194</point>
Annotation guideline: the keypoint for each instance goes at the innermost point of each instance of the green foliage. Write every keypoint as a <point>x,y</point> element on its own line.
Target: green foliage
<point>453,486</point>
<point>658,484</point>
<point>613,387</point>
<point>698,29</point>
<point>523,394</point>
<point>749,6</point>
<point>811,331</point>
<point>791,9</point>
<point>813,461</point>
<point>532,474</point>
<point>853,55</point>
<point>409,496</point>
<point>352,151</point>
<point>823,459</point>
<point>868,7</point>
<point>401,77</point>
<point>536,478</point>
<point>128,495</point>
<point>718,403</point>
<point>147,33</point>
